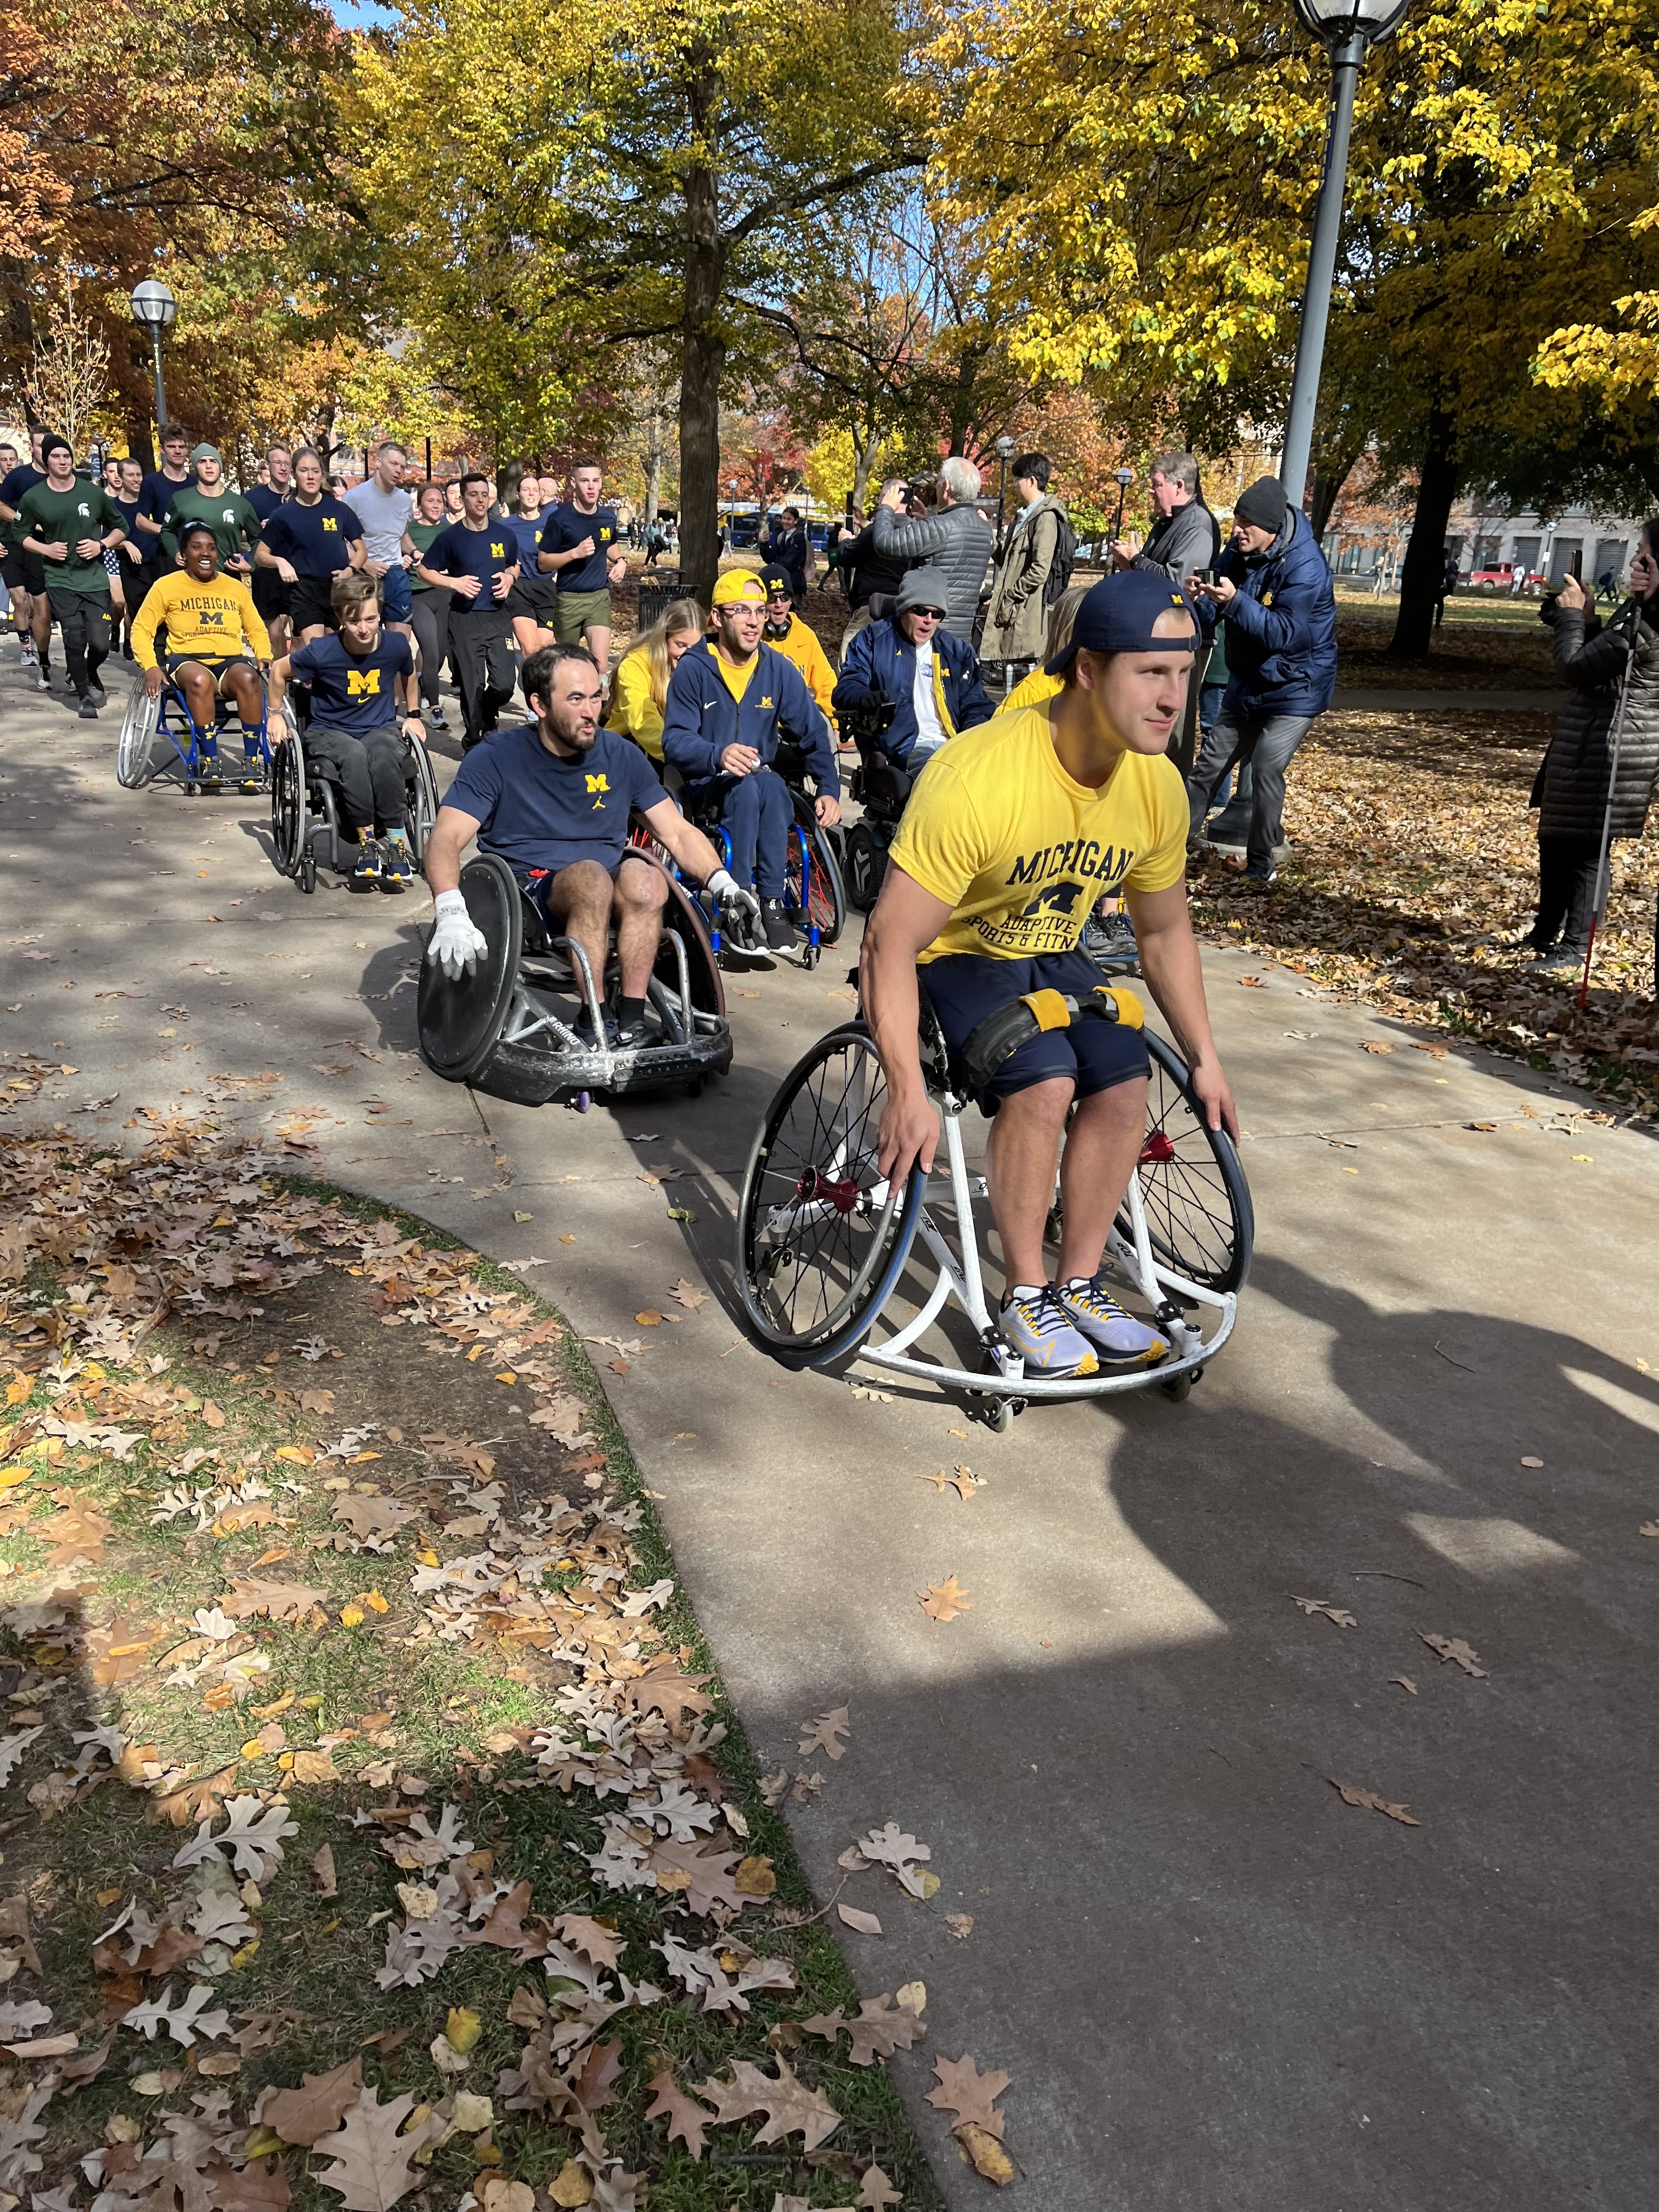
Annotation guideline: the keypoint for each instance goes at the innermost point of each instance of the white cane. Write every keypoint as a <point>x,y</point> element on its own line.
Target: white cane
<point>1604,866</point>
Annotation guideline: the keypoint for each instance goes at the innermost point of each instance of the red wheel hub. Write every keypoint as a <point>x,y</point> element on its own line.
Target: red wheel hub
<point>816,1187</point>
<point>1157,1150</point>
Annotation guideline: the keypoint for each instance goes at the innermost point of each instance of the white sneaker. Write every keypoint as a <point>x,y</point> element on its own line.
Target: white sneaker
<point>30,657</point>
<point>1037,1328</point>
<point>1125,1341</point>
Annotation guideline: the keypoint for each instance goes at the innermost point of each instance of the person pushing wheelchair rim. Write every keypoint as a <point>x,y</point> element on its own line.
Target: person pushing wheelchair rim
<point>1014,831</point>
<point>555,799</point>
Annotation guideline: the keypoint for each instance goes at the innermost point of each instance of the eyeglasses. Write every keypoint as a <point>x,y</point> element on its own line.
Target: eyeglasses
<point>929,614</point>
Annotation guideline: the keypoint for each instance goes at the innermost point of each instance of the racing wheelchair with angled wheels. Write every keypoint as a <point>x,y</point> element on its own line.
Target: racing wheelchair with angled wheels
<point>509,1026</point>
<point>306,828</point>
<point>825,1240</point>
<point>161,737</point>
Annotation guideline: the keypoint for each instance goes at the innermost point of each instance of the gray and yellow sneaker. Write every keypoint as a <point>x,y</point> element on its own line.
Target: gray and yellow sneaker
<point>1038,1329</point>
<point>1120,1339</point>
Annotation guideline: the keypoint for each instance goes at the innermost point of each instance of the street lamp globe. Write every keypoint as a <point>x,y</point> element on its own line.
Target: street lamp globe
<point>1335,21</point>
<point>153,304</point>
<point>1005,447</point>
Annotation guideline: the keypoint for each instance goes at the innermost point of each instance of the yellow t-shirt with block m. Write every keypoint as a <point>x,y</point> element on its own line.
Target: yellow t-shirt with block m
<point>1020,852</point>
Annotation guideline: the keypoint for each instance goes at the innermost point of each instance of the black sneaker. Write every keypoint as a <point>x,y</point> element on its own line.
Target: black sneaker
<point>100,697</point>
<point>367,870</point>
<point>1258,876</point>
<point>89,708</point>
<point>774,924</point>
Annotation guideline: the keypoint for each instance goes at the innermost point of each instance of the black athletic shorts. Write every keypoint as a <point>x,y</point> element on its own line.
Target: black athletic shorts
<point>532,597</point>
<point>271,594</point>
<point>964,987</point>
<point>308,603</point>
<point>216,665</point>
<point>22,572</point>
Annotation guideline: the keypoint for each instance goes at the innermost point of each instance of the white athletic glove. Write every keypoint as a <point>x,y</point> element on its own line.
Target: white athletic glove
<point>739,909</point>
<point>456,943</point>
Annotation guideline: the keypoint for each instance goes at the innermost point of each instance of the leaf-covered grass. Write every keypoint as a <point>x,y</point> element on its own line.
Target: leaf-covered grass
<point>107,1616</point>
<point>1413,872</point>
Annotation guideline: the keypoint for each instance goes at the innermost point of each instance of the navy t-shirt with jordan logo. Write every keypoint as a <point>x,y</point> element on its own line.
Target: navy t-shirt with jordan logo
<point>539,812</point>
<point>460,550</point>
<point>318,539</point>
<point>566,527</point>
<point>354,692</point>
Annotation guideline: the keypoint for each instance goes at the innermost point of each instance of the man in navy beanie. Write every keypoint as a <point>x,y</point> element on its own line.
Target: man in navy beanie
<point>1273,591</point>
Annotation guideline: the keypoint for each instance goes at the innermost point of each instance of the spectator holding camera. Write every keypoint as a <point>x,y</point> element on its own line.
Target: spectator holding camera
<point>956,538</point>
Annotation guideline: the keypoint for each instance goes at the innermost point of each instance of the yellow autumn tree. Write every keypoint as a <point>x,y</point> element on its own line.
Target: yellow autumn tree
<point>546,184</point>
<point>1146,203</point>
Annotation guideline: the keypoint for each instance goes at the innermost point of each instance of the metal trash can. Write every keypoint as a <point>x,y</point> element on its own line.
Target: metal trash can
<point>656,597</point>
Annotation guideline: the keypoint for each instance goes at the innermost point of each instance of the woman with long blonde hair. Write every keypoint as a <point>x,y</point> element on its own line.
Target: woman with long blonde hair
<point>640,690</point>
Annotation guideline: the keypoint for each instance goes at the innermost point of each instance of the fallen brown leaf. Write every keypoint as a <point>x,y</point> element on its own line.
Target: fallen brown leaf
<point>1454,1648</point>
<point>962,2089</point>
<point>945,1601</point>
<point>1368,1800</point>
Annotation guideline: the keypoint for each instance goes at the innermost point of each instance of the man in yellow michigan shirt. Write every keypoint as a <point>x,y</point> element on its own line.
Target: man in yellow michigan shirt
<point>1013,832</point>
<point>215,638</point>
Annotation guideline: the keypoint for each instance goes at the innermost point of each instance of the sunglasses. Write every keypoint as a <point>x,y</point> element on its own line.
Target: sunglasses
<point>929,614</point>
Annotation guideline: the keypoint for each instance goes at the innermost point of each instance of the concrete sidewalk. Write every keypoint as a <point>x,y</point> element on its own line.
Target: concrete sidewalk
<point>1214,1983</point>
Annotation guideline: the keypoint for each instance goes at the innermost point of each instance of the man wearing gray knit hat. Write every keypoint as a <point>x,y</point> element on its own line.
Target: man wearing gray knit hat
<point>1272,589</point>
<point>912,665</point>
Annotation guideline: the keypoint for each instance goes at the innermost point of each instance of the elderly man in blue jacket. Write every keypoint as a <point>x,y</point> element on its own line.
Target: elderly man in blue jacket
<point>1273,591</point>
<point>912,664</point>
<point>730,700</point>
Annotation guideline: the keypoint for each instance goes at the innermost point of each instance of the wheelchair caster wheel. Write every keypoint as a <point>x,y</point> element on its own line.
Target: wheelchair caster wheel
<point>1000,1417</point>
<point>582,1101</point>
<point>810,956</point>
<point>694,1090</point>
<point>1179,1388</point>
<point>307,878</point>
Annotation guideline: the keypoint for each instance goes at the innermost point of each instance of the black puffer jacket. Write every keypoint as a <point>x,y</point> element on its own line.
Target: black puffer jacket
<point>1571,791</point>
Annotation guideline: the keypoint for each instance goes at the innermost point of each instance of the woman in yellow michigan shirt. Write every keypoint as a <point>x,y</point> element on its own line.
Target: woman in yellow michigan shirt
<point>640,690</point>
<point>214,638</point>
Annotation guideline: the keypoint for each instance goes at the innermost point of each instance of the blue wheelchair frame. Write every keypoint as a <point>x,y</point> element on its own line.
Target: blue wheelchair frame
<point>168,715</point>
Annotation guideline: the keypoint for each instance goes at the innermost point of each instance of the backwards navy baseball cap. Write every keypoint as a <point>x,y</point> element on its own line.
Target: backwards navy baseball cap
<point>1117,614</point>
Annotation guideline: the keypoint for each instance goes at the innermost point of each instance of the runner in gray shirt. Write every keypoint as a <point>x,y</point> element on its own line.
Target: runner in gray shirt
<point>384,508</point>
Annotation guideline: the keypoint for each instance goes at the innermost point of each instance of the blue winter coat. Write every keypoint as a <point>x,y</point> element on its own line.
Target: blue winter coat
<point>701,718</point>
<point>880,671</point>
<point>1281,629</point>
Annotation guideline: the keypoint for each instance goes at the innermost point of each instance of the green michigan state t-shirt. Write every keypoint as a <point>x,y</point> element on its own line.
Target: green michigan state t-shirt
<point>84,510</point>
<point>226,514</point>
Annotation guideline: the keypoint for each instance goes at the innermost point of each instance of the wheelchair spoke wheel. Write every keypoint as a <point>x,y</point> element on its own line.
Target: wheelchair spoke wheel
<point>134,748</point>
<point>1192,1191</point>
<point>288,808</point>
<point>827,911</point>
<point>423,799</point>
<point>822,1236</point>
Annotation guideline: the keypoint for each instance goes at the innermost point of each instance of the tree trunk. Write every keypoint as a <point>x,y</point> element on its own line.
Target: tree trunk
<point>863,455</point>
<point>655,443</point>
<point>1425,553</point>
<point>1331,472</point>
<point>703,355</point>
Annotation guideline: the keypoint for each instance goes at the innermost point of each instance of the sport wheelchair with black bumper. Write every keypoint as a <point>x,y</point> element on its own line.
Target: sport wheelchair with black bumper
<point>509,1026</point>
<point>882,789</point>
<point>161,737</point>
<point>304,811</point>
<point>825,1240</point>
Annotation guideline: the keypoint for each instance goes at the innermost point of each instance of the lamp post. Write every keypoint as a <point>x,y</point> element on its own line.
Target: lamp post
<point>1004,455</point>
<point>1125,478</point>
<point>1346,28</point>
<point>154,309</point>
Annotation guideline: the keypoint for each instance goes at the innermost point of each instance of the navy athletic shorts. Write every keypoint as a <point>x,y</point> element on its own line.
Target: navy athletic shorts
<point>964,987</point>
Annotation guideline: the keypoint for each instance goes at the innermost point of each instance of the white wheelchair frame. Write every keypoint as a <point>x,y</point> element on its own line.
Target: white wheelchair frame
<point>1004,1380</point>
